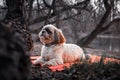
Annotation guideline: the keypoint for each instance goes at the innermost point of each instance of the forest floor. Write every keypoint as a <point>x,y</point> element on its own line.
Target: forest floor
<point>86,70</point>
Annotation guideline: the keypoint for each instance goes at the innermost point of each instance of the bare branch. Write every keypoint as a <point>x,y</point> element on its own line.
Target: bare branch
<point>99,27</point>
<point>111,23</point>
<point>79,6</point>
<point>49,5</point>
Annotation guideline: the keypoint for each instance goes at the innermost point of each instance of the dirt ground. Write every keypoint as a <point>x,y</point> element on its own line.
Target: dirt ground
<point>85,71</point>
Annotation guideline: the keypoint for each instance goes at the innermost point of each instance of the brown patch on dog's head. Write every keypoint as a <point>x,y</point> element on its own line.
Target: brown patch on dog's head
<point>59,37</point>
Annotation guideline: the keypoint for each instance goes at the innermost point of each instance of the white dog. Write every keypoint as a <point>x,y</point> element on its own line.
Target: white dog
<point>55,51</point>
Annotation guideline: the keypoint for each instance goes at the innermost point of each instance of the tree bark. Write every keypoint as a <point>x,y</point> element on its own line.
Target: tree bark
<point>16,20</point>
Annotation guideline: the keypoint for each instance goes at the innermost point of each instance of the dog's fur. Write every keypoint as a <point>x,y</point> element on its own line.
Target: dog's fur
<point>55,51</point>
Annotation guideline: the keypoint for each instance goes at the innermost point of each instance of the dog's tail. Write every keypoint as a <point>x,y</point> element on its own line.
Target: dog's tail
<point>87,56</point>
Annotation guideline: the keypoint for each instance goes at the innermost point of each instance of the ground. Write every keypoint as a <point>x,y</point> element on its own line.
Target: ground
<point>81,71</point>
<point>95,71</point>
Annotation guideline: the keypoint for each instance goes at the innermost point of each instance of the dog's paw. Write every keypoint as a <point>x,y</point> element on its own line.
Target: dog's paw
<point>88,56</point>
<point>50,64</point>
<point>40,62</point>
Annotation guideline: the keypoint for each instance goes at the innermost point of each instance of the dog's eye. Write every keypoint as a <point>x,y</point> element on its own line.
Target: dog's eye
<point>48,30</point>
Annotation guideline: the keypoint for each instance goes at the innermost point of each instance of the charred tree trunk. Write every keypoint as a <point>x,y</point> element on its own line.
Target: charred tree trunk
<point>16,20</point>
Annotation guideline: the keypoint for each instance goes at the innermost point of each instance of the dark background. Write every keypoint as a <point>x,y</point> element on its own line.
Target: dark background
<point>88,23</point>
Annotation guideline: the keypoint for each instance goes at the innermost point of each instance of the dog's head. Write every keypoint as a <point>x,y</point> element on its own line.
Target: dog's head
<point>51,35</point>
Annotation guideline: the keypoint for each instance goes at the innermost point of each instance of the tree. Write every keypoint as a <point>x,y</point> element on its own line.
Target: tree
<point>14,60</point>
<point>103,21</point>
<point>100,27</point>
<point>16,19</point>
<point>52,13</point>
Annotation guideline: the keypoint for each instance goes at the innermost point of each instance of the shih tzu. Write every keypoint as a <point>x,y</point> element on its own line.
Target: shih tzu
<point>55,51</point>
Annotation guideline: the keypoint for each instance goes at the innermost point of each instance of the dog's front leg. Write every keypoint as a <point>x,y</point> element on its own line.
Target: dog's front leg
<point>40,61</point>
<point>53,62</point>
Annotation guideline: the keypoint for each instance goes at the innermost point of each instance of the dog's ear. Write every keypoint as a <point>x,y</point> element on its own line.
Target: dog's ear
<point>59,37</point>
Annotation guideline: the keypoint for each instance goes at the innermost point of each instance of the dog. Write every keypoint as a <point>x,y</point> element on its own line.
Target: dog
<point>55,50</point>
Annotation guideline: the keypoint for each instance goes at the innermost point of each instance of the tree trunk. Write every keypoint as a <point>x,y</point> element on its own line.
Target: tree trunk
<point>99,27</point>
<point>16,20</point>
